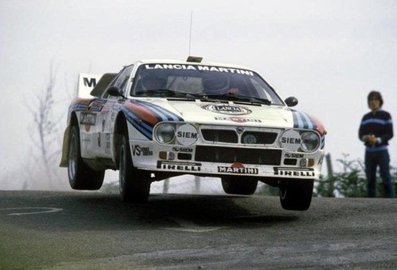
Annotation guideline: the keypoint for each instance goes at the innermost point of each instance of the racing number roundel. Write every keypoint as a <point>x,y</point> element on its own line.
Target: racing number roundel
<point>186,134</point>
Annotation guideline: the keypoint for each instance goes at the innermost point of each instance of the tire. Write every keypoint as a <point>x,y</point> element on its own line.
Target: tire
<point>81,177</point>
<point>296,196</point>
<point>132,188</point>
<point>239,185</point>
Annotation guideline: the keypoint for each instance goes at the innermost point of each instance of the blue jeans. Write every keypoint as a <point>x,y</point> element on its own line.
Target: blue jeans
<point>372,161</point>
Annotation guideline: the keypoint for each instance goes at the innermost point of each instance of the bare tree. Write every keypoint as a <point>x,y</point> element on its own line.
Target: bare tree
<point>42,118</point>
<point>46,138</point>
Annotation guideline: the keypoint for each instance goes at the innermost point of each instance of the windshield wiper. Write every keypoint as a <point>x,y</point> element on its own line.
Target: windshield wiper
<point>155,93</point>
<point>168,93</point>
<point>232,97</point>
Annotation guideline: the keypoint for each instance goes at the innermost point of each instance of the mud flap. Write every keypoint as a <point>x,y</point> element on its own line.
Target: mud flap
<point>65,148</point>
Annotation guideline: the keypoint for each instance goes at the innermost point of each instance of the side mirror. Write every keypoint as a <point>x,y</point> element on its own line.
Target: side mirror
<point>115,91</point>
<point>291,101</point>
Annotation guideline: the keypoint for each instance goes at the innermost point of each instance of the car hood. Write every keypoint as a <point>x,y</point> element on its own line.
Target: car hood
<point>229,113</point>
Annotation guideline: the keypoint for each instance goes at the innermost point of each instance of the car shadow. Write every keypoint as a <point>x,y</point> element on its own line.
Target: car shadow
<point>180,210</point>
<point>99,211</point>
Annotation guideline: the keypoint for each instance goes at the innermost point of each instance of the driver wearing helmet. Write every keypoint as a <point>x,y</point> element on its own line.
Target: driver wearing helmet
<point>218,84</point>
<point>152,82</point>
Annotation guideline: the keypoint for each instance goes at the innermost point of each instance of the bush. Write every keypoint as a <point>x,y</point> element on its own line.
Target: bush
<point>350,182</point>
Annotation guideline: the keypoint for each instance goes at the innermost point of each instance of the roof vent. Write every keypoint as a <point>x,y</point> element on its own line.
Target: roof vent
<point>194,59</point>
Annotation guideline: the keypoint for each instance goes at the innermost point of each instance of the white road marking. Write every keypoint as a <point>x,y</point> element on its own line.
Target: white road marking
<point>41,210</point>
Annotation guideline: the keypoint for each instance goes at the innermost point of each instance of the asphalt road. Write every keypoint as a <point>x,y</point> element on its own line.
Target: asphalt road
<point>83,230</point>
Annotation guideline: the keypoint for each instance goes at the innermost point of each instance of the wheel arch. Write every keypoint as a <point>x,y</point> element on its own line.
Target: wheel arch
<point>66,140</point>
<point>120,129</point>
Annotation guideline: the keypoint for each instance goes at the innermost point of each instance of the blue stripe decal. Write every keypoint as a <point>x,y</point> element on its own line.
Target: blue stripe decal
<point>303,120</point>
<point>145,128</point>
<point>299,123</point>
<point>137,123</point>
<point>163,113</point>
<point>309,121</point>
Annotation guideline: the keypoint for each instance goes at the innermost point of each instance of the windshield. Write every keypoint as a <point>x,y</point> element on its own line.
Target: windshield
<point>201,81</point>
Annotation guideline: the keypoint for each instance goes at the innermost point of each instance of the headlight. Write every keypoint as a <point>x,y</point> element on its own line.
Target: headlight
<point>310,141</point>
<point>165,133</point>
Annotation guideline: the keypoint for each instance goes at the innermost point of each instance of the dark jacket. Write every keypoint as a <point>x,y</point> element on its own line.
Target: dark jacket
<point>378,124</point>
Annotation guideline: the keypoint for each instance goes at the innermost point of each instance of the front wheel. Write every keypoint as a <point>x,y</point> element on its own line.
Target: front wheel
<point>132,188</point>
<point>81,177</point>
<point>239,185</point>
<point>296,195</point>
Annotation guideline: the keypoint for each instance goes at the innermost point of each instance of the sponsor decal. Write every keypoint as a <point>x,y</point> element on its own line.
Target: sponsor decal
<point>107,139</point>
<point>138,150</point>
<point>89,82</point>
<point>238,119</point>
<point>104,138</point>
<point>293,172</point>
<point>96,105</point>
<point>103,125</point>
<point>186,134</point>
<point>182,149</point>
<point>200,68</point>
<point>237,168</point>
<point>172,166</point>
<point>290,140</point>
<point>293,155</point>
<point>227,109</point>
<point>88,120</point>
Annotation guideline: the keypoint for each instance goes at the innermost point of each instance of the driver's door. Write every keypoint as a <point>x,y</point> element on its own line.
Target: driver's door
<point>107,115</point>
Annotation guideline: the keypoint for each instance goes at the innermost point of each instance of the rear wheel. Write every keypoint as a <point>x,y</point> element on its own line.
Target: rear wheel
<point>239,185</point>
<point>132,187</point>
<point>81,177</point>
<point>296,196</point>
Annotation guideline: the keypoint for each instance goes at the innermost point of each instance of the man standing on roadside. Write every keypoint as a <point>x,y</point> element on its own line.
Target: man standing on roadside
<point>376,129</point>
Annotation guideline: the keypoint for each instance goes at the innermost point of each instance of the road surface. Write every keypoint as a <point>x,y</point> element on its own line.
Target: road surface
<point>92,230</point>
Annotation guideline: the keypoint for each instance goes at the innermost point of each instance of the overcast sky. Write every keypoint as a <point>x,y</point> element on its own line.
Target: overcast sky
<point>329,54</point>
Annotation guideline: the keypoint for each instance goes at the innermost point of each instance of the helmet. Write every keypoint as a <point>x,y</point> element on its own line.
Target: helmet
<point>152,82</point>
<point>216,83</point>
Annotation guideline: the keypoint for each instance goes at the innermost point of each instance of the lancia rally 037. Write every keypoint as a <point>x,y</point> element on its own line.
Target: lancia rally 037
<point>158,119</point>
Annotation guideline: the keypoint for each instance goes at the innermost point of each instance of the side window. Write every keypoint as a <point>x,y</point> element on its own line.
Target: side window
<point>122,80</point>
<point>265,92</point>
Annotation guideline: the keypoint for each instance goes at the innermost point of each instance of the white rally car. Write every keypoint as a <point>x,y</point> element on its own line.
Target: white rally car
<point>157,119</point>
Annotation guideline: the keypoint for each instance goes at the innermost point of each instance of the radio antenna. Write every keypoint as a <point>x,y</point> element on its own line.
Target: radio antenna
<point>190,31</point>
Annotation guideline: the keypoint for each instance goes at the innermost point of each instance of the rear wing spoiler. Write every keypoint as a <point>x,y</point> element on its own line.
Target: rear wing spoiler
<point>93,85</point>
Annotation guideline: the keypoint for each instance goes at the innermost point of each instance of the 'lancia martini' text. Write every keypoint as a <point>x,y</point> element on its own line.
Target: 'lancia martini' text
<point>200,68</point>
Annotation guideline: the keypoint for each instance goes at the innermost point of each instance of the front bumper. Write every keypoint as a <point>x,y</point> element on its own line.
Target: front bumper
<point>226,160</point>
